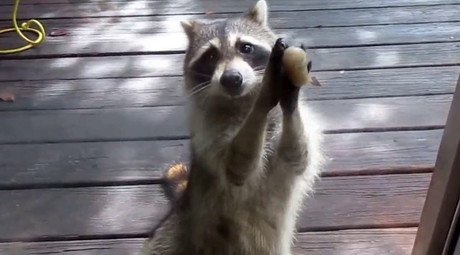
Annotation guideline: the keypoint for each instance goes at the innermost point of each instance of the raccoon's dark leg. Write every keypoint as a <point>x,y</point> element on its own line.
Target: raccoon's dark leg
<point>246,149</point>
<point>285,183</point>
<point>290,158</point>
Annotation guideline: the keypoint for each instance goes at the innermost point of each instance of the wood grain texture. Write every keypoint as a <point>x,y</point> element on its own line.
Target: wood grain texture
<point>83,148</point>
<point>100,93</point>
<point>145,161</point>
<point>370,113</point>
<point>93,125</point>
<point>65,8</point>
<point>162,91</point>
<point>279,19</point>
<point>393,199</point>
<point>364,153</point>
<point>393,241</point>
<point>171,121</point>
<point>161,65</point>
<point>124,37</point>
<point>46,213</point>
<point>338,202</point>
<point>88,163</point>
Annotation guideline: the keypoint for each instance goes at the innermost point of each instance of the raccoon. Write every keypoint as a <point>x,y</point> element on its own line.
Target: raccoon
<point>254,155</point>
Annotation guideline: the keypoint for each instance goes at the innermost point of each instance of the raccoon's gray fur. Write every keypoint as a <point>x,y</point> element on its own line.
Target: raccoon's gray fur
<point>253,153</point>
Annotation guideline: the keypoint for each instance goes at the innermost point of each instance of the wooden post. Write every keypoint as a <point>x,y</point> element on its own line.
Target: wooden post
<point>444,192</point>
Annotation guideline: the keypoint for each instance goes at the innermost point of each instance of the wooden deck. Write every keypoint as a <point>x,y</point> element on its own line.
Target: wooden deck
<point>99,115</point>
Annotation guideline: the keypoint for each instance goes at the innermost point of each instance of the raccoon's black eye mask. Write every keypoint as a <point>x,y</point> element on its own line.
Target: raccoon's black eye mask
<point>257,56</point>
<point>204,67</point>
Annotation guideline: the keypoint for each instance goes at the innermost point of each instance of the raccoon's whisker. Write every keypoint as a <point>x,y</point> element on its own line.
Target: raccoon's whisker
<point>198,90</point>
<point>198,86</point>
<point>201,88</point>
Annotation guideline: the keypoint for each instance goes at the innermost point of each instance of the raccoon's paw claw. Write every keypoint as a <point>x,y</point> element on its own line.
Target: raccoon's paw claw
<point>302,46</point>
<point>278,48</point>
<point>297,65</point>
<point>281,44</point>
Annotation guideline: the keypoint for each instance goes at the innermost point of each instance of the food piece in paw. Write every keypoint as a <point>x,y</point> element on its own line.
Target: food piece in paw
<point>297,66</point>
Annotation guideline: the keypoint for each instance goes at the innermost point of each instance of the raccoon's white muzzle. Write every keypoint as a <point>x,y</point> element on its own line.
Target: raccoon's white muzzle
<point>234,78</point>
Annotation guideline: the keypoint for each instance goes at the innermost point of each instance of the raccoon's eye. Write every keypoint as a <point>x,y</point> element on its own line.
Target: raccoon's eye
<point>246,48</point>
<point>211,56</point>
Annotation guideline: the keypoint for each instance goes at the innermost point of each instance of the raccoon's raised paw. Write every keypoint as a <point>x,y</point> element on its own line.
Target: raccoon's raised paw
<point>278,50</point>
<point>296,69</point>
<point>269,96</point>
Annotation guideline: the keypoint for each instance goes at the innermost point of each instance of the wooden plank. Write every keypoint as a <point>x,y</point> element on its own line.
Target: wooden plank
<point>64,8</point>
<point>99,93</point>
<point>393,241</point>
<point>93,125</point>
<point>124,37</point>
<point>131,246</point>
<point>88,163</point>
<point>344,202</point>
<point>99,163</point>
<point>444,194</point>
<point>330,2</point>
<point>171,121</point>
<point>120,210</point>
<point>370,113</point>
<point>339,202</point>
<point>281,19</point>
<point>377,152</point>
<point>161,91</point>
<point>160,65</point>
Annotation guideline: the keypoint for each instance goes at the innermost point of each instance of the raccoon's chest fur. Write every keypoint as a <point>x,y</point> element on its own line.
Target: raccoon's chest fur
<point>226,220</point>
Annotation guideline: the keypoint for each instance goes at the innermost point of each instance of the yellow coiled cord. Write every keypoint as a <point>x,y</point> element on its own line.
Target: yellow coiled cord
<point>27,27</point>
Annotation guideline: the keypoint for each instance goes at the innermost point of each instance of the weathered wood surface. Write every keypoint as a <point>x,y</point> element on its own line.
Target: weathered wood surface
<point>42,9</point>
<point>160,65</point>
<point>99,163</point>
<point>117,37</point>
<point>244,2</point>
<point>393,241</point>
<point>353,242</point>
<point>385,65</point>
<point>162,91</point>
<point>380,152</point>
<point>338,202</point>
<point>280,19</point>
<point>171,122</point>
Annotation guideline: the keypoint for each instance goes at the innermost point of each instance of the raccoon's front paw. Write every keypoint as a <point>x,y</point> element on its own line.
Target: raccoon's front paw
<point>269,96</point>
<point>278,52</point>
<point>296,69</point>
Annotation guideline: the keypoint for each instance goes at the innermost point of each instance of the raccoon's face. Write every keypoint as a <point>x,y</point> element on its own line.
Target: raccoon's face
<point>227,58</point>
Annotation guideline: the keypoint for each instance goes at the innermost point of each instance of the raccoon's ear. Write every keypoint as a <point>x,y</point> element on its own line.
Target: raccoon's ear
<point>259,13</point>
<point>190,27</point>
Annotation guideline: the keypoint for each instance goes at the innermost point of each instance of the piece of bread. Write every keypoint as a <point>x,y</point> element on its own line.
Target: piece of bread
<point>295,62</point>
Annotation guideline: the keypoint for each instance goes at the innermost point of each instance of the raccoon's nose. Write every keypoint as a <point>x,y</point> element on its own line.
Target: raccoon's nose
<point>232,80</point>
